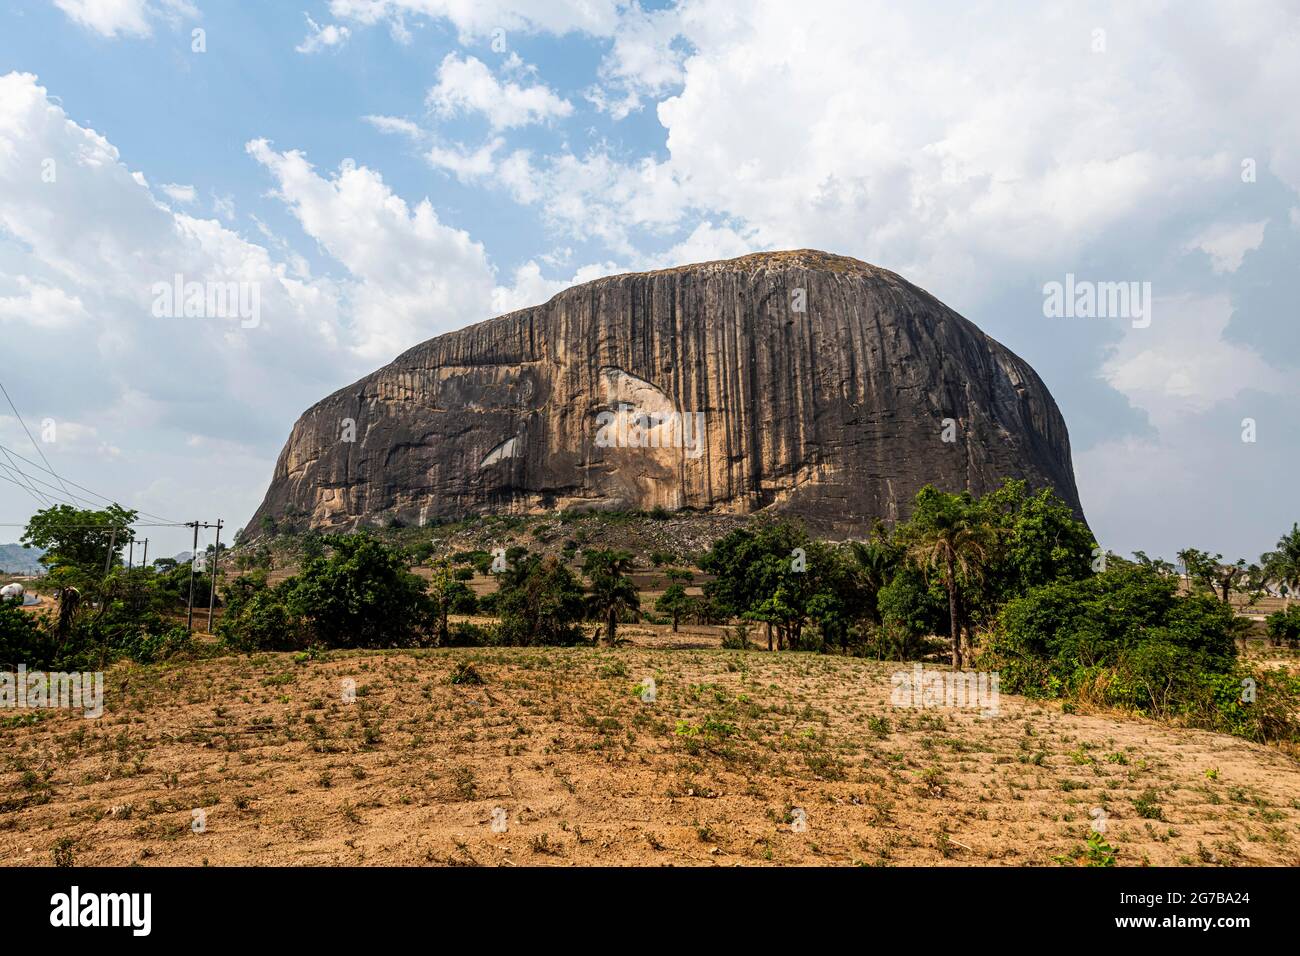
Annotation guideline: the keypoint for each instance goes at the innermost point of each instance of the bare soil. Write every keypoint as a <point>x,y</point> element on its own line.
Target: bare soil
<point>734,749</point>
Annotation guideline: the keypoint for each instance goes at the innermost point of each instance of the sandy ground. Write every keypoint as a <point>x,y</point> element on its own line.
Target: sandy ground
<point>736,749</point>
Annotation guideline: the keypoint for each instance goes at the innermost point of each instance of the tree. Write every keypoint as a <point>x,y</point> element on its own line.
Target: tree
<point>877,561</point>
<point>1214,574</point>
<point>78,541</point>
<point>1037,539</point>
<point>361,595</point>
<point>950,538</point>
<point>675,601</point>
<point>1159,565</point>
<point>1284,626</point>
<point>1283,565</point>
<point>611,592</point>
<point>749,565</point>
<point>541,603</point>
<point>450,595</point>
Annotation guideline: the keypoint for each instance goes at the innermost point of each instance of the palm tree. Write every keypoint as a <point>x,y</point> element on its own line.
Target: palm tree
<point>611,591</point>
<point>1283,565</point>
<point>951,537</point>
<point>876,562</point>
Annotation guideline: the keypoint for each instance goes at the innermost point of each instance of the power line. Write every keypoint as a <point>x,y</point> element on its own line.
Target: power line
<point>70,499</point>
<point>105,527</point>
<point>10,451</point>
<point>30,489</point>
<point>38,448</point>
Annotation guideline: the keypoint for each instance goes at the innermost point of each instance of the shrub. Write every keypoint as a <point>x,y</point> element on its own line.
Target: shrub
<point>1284,626</point>
<point>362,595</point>
<point>146,647</point>
<point>259,619</point>
<point>736,638</point>
<point>468,634</point>
<point>21,638</point>
<point>540,602</point>
<point>1125,638</point>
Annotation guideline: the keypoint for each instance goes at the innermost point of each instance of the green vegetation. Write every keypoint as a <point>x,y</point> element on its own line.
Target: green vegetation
<point>540,602</point>
<point>1011,582</point>
<point>106,611</point>
<point>944,572</point>
<point>612,593</point>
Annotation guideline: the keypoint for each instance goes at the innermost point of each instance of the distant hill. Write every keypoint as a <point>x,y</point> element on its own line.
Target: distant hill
<point>15,559</point>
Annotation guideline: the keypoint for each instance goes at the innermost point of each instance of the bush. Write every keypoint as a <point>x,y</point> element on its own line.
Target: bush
<point>362,595</point>
<point>911,607</point>
<point>150,648</point>
<point>1284,626</point>
<point>263,621</point>
<point>1125,638</point>
<point>21,639</point>
<point>541,602</point>
<point>1125,633</point>
<point>468,634</point>
<point>737,638</point>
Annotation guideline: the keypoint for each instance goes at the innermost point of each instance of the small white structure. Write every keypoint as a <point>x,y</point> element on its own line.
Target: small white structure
<point>16,592</point>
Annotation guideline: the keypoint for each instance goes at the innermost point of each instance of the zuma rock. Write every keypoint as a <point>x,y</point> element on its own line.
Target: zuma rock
<point>799,382</point>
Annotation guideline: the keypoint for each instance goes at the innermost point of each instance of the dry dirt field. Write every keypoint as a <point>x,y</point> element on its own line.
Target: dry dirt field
<point>414,769</point>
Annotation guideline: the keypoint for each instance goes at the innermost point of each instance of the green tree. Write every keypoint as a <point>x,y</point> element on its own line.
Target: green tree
<point>361,595</point>
<point>1283,564</point>
<point>450,595</point>
<point>877,562</point>
<point>1038,540</point>
<point>749,565</point>
<point>675,602</point>
<point>949,538</point>
<point>1283,625</point>
<point>611,593</point>
<point>540,604</point>
<point>78,541</point>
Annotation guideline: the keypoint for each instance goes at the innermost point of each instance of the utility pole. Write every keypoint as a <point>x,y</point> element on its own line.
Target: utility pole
<point>194,554</point>
<point>112,541</point>
<point>216,557</point>
<point>194,557</point>
<point>130,555</point>
<point>144,561</point>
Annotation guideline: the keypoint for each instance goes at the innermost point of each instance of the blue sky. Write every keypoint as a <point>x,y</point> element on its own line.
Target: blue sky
<point>386,170</point>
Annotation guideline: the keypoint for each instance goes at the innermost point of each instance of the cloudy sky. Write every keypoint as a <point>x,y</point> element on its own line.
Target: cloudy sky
<point>385,170</point>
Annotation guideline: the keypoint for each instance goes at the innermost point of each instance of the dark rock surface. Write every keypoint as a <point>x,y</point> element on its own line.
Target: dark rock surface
<point>835,413</point>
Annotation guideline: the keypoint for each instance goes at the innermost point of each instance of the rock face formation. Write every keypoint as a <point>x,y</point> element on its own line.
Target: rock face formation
<point>800,382</point>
